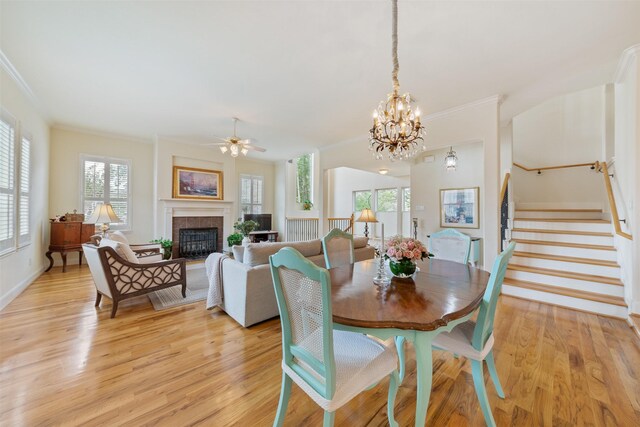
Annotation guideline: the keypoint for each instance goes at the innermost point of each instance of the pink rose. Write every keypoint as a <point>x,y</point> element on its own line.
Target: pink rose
<point>408,254</point>
<point>417,253</point>
<point>411,245</point>
<point>391,252</point>
<point>403,246</point>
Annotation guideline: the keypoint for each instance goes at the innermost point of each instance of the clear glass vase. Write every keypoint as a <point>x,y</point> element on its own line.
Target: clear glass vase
<point>403,268</point>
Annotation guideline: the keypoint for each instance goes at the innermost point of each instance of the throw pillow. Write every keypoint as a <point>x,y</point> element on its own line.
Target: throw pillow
<point>123,251</point>
<point>118,236</point>
<point>360,242</point>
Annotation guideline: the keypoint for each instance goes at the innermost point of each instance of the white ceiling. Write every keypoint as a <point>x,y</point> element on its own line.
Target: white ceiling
<point>300,74</point>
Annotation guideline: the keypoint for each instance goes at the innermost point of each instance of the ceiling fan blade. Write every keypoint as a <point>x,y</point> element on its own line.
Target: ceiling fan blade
<point>214,144</point>
<point>247,141</point>
<point>221,139</point>
<point>255,148</point>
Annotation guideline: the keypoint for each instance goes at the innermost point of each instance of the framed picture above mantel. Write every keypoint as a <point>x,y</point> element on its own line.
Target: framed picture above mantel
<point>459,207</point>
<point>198,184</point>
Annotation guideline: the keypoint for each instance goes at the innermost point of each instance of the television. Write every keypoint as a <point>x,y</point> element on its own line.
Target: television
<point>263,220</point>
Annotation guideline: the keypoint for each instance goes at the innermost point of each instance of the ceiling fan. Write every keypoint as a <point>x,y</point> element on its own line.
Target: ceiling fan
<point>235,145</point>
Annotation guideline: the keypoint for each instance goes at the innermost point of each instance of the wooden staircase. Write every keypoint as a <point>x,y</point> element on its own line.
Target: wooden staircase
<point>566,257</point>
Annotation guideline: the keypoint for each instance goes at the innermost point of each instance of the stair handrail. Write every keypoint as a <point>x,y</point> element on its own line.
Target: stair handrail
<point>592,165</point>
<point>602,167</point>
<point>501,201</point>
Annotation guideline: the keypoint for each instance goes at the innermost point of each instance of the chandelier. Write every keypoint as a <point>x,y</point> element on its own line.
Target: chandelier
<point>451,160</point>
<point>396,128</point>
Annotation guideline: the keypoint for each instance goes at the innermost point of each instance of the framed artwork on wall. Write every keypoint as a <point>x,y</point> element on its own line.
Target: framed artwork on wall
<point>459,207</point>
<point>200,184</point>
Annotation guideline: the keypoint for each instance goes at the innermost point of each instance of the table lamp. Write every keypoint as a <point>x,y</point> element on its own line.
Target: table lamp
<point>366,216</point>
<point>103,214</point>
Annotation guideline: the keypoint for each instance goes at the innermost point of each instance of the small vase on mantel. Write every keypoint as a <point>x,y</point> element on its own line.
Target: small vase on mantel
<point>246,240</point>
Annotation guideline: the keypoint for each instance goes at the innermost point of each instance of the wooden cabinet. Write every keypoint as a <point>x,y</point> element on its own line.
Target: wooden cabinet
<point>68,237</point>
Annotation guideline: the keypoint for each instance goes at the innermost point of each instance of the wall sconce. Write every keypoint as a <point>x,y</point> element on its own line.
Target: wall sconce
<point>451,160</point>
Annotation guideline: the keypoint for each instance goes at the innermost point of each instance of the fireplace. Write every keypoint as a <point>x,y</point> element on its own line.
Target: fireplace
<point>197,243</point>
<point>195,237</point>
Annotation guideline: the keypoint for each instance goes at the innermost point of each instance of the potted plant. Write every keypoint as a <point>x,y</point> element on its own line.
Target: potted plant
<point>167,247</point>
<point>245,227</point>
<point>403,253</point>
<point>234,239</point>
<point>307,204</point>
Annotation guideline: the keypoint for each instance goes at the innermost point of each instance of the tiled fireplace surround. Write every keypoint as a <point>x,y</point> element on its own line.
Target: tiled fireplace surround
<point>195,214</point>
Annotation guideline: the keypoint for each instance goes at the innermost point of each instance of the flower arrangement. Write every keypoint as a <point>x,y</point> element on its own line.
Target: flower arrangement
<point>400,248</point>
<point>402,253</point>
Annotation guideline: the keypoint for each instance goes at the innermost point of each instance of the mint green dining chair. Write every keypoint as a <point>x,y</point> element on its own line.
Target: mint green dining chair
<point>332,367</point>
<point>337,247</point>
<point>450,245</point>
<point>474,340</point>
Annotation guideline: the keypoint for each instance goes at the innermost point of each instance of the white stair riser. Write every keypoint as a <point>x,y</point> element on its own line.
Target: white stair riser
<point>565,282</point>
<point>567,251</point>
<point>570,302</point>
<point>576,215</point>
<point>566,238</point>
<point>575,267</point>
<point>569,226</point>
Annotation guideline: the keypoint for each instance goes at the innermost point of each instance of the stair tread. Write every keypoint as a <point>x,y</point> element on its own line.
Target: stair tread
<point>577,220</point>
<point>566,244</point>
<point>545,231</point>
<point>563,258</point>
<point>574,293</point>
<point>559,210</point>
<point>566,274</point>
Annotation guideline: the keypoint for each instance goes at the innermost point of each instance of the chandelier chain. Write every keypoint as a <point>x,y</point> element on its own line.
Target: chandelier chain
<point>394,48</point>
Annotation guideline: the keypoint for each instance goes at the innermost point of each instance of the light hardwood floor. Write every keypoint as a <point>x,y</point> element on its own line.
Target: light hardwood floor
<point>64,362</point>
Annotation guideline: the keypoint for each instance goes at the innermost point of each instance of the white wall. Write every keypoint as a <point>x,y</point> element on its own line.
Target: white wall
<point>565,130</point>
<point>627,160</point>
<point>67,145</point>
<point>344,181</point>
<point>18,269</point>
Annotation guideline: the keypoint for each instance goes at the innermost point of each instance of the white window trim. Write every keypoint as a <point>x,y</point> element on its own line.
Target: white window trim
<point>13,240</point>
<point>251,178</point>
<point>398,198</point>
<point>128,227</point>
<point>312,165</point>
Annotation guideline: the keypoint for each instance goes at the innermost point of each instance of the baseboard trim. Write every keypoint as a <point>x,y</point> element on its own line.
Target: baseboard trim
<point>19,288</point>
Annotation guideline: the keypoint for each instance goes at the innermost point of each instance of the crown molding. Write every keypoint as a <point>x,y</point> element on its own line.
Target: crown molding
<point>101,133</point>
<point>495,99</point>
<point>8,67</point>
<point>627,56</point>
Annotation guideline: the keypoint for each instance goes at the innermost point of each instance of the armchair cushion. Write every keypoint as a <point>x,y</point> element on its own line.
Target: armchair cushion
<point>118,236</point>
<point>123,250</point>
<point>238,252</point>
<point>360,242</point>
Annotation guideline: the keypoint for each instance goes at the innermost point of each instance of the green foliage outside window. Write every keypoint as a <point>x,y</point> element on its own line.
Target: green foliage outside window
<point>387,200</point>
<point>304,182</point>
<point>361,200</point>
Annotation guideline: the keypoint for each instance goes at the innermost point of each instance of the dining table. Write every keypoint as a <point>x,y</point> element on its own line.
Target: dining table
<point>439,296</point>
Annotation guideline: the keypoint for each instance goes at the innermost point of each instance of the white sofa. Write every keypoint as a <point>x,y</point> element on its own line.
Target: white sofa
<point>248,294</point>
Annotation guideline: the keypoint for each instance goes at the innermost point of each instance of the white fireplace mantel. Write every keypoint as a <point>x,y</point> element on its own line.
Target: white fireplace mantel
<point>188,207</point>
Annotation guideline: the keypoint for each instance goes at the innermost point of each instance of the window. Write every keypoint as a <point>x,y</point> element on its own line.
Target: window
<point>15,190</point>
<point>387,200</point>
<point>304,178</point>
<point>406,199</point>
<point>251,194</point>
<point>106,180</point>
<point>24,192</point>
<point>7,186</point>
<point>361,200</point>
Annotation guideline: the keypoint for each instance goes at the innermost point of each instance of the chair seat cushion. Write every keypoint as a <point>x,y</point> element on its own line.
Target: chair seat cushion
<point>360,363</point>
<point>459,341</point>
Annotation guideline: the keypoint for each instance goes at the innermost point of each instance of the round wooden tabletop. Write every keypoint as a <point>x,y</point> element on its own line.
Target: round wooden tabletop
<point>440,292</point>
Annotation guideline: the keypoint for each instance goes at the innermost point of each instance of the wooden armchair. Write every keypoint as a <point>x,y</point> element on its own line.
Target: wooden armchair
<point>117,278</point>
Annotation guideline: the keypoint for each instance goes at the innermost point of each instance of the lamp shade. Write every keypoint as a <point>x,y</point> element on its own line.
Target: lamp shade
<point>104,214</point>
<point>367,216</point>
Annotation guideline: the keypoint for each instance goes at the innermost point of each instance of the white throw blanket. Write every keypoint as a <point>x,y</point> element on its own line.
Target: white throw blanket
<point>213,265</point>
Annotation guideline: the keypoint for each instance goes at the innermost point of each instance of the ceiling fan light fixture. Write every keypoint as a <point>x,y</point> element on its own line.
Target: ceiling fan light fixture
<point>244,151</point>
<point>224,149</point>
<point>234,150</point>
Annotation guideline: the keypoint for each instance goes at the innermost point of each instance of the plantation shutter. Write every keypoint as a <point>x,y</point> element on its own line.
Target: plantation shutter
<point>7,185</point>
<point>251,193</point>
<point>24,195</point>
<point>106,181</point>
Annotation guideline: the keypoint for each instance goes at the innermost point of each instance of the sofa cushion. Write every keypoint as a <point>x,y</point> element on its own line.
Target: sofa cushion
<point>259,253</point>
<point>123,251</point>
<point>360,242</point>
<point>238,252</point>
